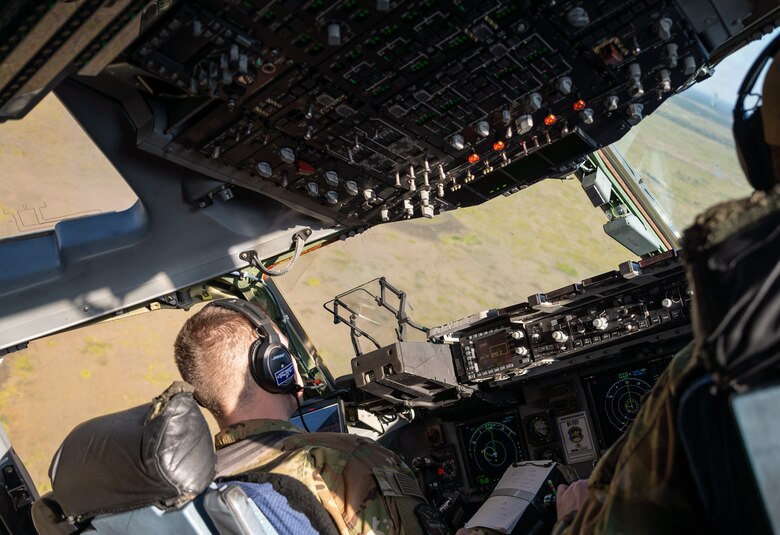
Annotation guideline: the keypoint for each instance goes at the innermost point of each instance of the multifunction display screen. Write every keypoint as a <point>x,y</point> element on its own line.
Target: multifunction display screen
<point>617,396</point>
<point>493,444</point>
<point>492,351</point>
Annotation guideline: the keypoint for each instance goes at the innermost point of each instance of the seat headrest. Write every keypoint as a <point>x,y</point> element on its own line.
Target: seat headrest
<point>155,454</point>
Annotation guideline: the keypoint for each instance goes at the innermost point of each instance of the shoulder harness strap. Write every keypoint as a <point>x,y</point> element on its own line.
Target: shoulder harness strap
<point>234,457</point>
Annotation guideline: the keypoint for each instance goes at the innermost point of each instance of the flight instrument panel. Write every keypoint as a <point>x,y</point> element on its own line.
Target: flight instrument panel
<point>559,377</point>
<point>363,112</point>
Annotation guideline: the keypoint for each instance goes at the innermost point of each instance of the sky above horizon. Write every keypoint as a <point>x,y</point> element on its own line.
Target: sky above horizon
<point>723,86</point>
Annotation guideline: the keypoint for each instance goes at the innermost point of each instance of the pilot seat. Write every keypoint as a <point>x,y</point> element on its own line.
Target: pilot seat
<point>151,469</point>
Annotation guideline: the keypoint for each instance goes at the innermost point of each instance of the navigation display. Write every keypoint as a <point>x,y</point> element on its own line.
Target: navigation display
<point>493,444</point>
<point>492,351</point>
<point>328,418</point>
<point>617,396</point>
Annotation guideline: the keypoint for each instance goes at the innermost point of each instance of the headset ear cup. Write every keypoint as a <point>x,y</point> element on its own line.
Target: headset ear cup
<point>259,367</point>
<point>752,151</point>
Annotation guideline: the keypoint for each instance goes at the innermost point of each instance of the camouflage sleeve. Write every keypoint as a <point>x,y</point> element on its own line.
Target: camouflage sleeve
<point>642,484</point>
<point>369,490</point>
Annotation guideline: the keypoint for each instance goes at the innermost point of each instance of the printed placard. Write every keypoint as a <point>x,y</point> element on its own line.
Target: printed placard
<point>576,438</point>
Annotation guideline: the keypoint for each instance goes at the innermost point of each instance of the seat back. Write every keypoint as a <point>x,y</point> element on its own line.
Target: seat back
<point>713,447</point>
<point>150,469</point>
<point>755,414</point>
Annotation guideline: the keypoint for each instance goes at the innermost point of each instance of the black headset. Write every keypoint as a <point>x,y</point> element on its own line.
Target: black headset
<point>748,126</point>
<point>270,362</point>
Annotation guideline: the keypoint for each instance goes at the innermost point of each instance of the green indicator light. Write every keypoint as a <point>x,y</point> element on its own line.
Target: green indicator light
<point>451,103</point>
<point>499,188</point>
<point>425,118</point>
<point>303,40</point>
<point>390,30</point>
<point>381,90</point>
<point>355,54</point>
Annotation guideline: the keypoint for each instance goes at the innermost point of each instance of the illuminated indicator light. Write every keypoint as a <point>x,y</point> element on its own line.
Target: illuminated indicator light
<point>473,158</point>
<point>499,145</point>
<point>579,105</point>
<point>550,120</point>
<point>441,471</point>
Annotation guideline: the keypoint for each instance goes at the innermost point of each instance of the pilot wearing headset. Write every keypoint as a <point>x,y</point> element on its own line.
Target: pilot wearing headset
<point>679,468</point>
<point>245,376</point>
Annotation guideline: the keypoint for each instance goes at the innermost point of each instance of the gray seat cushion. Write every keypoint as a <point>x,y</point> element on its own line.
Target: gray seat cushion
<point>155,454</point>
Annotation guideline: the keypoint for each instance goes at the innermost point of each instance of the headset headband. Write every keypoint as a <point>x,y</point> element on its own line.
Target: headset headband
<point>752,76</point>
<point>254,315</point>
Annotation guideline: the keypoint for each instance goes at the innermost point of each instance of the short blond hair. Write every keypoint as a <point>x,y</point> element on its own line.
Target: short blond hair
<point>212,354</point>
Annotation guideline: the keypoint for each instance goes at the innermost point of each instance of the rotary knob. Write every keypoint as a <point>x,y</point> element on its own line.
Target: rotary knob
<point>666,303</point>
<point>457,142</point>
<point>518,335</point>
<point>521,351</point>
<point>560,336</point>
<point>587,116</point>
<point>524,124</point>
<point>351,187</point>
<point>600,323</point>
<point>264,169</point>
<point>534,101</point>
<point>332,178</point>
<point>287,155</point>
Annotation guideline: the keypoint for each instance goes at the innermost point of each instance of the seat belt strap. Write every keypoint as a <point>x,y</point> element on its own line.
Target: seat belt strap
<point>232,458</point>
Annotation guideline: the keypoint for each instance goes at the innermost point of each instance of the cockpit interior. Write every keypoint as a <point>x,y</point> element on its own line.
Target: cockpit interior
<point>352,165</point>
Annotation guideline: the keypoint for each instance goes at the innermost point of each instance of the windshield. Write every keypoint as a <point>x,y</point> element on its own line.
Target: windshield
<point>52,171</point>
<point>540,239</point>
<point>458,263</point>
<point>684,153</point>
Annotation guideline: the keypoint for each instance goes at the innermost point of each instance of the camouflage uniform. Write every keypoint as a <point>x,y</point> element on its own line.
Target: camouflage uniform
<point>364,487</point>
<point>643,483</point>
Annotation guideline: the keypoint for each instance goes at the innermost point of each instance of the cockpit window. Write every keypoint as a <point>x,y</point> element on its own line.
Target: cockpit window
<point>684,152</point>
<point>458,263</point>
<point>52,171</point>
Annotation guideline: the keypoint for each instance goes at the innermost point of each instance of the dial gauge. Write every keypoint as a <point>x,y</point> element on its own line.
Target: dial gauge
<point>539,429</point>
